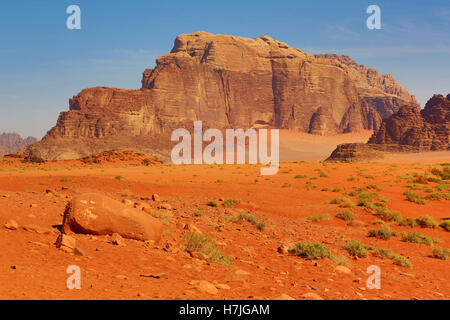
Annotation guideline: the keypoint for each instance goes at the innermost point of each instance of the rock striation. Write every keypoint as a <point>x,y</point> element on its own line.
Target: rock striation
<point>226,82</point>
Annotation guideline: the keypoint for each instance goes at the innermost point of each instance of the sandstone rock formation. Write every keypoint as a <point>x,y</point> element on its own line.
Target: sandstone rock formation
<point>12,143</point>
<point>425,130</point>
<point>100,215</point>
<point>225,81</point>
<point>409,130</point>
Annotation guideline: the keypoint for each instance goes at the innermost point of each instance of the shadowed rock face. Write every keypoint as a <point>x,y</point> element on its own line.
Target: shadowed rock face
<point>225,81</point>
<point>12,143</point>
<point>409,130</point>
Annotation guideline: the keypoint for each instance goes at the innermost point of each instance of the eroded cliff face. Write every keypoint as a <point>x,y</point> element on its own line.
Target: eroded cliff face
<point>408,130</point>
<point>13,142</point>
<point>226,82</point>
<point>426,130</point>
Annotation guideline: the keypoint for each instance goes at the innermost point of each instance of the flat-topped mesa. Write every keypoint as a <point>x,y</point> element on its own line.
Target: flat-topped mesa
<point>226,82</point>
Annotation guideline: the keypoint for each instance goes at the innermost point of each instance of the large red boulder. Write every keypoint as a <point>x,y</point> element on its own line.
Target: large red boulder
<point>98,214</point>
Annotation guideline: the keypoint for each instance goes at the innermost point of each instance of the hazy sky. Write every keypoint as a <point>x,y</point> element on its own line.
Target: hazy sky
<point>43,64</point>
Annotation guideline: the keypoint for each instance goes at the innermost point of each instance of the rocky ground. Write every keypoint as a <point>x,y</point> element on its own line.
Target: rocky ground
<point>252,234</point>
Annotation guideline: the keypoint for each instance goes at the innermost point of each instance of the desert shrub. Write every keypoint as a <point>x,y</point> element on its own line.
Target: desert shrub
<point>260,225</point>
<point>164,216</point>
<point>345,215</point>
<point>445,225</point>
<point>336,190</point>
<point>408,222</point>
<point>442,187</point>
<point>286,185</point>
<point>373,187</point>
<point>33,159</point>
<point>310,251</point>
<point>421,179</point>
<point>388,215</point>
<point>300,176</point>
<point>343,202</point>
<point>319,217</point>
<point>395,258</point>
<point>444,174</point>
<point>230,203</point>
<point>415,237</point>
<point>414,197</point>
<point>197,242</point>
<point>400,261</point>
<point>213,203</point>
<point>325,189</point>
<point>65,179</point>
<point>356,249</point>
<point>438,196</point>
<point>119,177</point>
<point>427,222</point>
<point>441,253</point>
<point>382,233</point>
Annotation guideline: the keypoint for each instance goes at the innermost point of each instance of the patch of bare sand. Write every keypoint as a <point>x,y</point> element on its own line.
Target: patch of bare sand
<point>307,147</point>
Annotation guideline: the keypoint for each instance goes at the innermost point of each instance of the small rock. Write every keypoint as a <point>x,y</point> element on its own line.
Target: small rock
<point>33,205</point>
<point>155,276</point>
<point>156,198</point>
<point>284,297</point>
<point>205,286</point>
<point>79,252</point>
<point>312,296</point>
<point>117,240</point>
<point>165,206</point>
<point>36,229</point>
<point>66,243</point>
<point>343,269</point>
<point>223,286</point>
<point>11,225</point>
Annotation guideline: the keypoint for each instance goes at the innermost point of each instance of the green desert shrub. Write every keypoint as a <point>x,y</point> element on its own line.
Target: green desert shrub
<point>441,253</point>
<point>310,251</point>
<point>198,242</point>
<point>356,249</point>
<point>345,215</point>
<point>445,225</point>
<point>319,217</point>
<point>414,197</point>
<point>343,202</point>
<point>213,203</point>
<point>260,225</point>
<point>408,222</point>
<point>382,233</point>
<point>427,222</point>
<point>230,203</point>
<point>415,237</point>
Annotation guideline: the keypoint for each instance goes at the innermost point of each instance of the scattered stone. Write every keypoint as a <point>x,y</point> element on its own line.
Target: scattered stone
<point>66,243</point>
<point>79,252</point>
<point>39,244</point>
<point>343,269</point>
<point>37,229</point>
<point>11,225</point>
<point>223,286</point>
<point>312,296</point>
<point>98,214</point>
<point>284,297</point>
<point>204,286</point>
<point>165,206</point>
<point>155,276</point>
<point>117,240</point>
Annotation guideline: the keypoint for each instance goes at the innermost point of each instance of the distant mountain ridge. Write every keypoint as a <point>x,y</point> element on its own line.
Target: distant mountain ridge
<point>13,142</point>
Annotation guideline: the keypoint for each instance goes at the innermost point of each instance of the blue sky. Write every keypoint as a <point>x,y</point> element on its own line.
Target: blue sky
<point>43,64</point>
